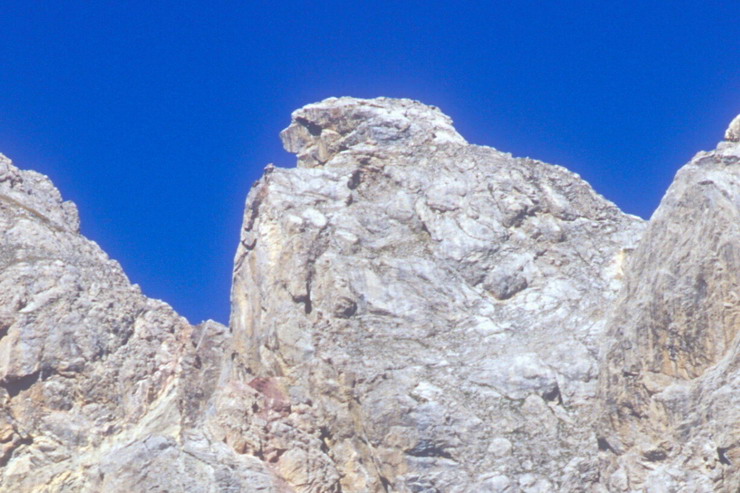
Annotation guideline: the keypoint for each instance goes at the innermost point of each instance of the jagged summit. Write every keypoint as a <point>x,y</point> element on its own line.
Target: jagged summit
<point>436,282</point>
<point>320,131</point>
<point>410,313</point>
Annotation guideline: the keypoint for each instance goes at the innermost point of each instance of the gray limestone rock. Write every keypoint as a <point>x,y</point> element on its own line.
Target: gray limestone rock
<point>670,384</point>
<point>410,313</point>
<point>426,297</point>
<point>101,388</point>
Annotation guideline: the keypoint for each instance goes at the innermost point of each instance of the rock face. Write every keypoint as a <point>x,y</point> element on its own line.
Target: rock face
<point>410,313</point>
<point>670,383</point>
<point>438,305</point>
<point>101,388</point>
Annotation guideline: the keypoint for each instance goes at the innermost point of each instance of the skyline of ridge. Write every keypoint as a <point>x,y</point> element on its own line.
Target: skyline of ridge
<point>155,120</point>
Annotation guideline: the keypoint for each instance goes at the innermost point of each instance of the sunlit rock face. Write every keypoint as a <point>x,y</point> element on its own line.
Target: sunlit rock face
<point>101,388</point>
<point>410,313</point>
<point>438,307</point>
<point>670,384</point>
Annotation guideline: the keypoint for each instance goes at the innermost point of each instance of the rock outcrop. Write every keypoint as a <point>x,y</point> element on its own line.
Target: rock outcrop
<point>410,312</point>
<point>101,388</point>
<point>438,305</point>
<point>670,384</point>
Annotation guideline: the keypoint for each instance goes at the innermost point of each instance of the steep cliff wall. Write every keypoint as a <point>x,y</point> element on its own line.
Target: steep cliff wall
<point>438,305</point>
<point>101,388</point>
<point>409,313</point>
<point>671,380</point>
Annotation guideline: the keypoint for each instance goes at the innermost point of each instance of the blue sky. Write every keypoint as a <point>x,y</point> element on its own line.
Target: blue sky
<point>156,117</point>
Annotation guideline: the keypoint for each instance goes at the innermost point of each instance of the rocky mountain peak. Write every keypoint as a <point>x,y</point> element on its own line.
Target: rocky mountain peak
<point>410,313</point>
<point>320,131</point>
<point>412,291</point>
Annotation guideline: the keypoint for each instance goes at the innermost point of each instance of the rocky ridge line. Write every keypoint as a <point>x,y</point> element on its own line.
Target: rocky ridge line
<point>409,313</point>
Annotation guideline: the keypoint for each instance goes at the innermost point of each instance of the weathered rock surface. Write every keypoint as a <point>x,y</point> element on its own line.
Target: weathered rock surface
<point>410,313</point>
<point>671,381</point>
<point>101,388</point>
<point>438,306</point>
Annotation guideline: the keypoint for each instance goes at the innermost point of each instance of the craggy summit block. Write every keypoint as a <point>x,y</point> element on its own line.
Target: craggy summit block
<point>410,313</point>
<point>439,306</point>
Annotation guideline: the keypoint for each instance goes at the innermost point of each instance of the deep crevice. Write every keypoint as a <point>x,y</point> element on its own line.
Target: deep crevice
<point>722,455</point>
<point>604,445</point>
<point>386,484</point>
<point>355,179</point>
<point>655,455</point>
<point>22,441</point>
<point>306,300</point>
<point>428,449</point>
<point>553,395</point>
<point>18,385</point>
<point>313,128</point>
<point>323,435</point>
<point>4,328</point>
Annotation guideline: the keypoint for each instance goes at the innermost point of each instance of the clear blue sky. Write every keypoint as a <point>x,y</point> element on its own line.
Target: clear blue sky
<point>156,117</point>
